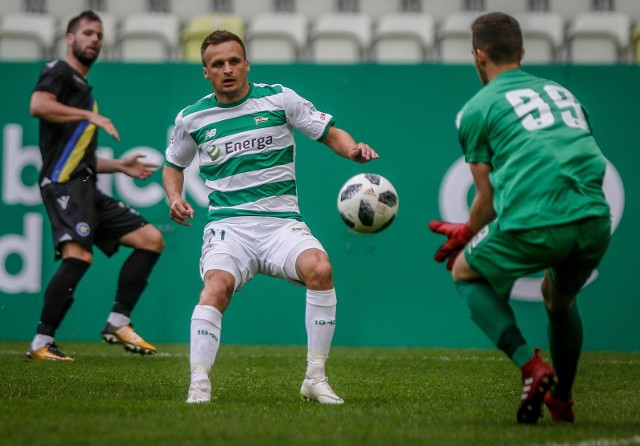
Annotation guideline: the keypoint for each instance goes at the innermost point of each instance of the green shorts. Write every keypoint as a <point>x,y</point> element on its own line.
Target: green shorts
<point>570,252</point>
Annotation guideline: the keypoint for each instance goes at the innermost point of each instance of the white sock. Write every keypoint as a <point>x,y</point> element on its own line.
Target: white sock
<point>206,324</point>
<point>320,320</point>
<point>40,340</point>
<point>118,320</point>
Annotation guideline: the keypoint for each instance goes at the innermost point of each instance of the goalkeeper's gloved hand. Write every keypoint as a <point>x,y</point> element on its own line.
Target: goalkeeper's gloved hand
<point>458,235</point>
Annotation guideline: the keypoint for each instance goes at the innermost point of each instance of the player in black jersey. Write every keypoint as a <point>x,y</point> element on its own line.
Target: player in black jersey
<point>81,215</point>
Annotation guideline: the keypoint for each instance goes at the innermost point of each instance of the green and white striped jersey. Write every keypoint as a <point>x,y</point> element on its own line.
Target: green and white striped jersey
<point>547,167</point>
<point>247,150</point>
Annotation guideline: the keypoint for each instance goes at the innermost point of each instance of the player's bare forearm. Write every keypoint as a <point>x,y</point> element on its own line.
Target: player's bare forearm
<point>179,209</point>
<point>173,182</point>
<point>45,105</point>
<point>482,211</point>
<point>344,145</point>
<point>132,166</point>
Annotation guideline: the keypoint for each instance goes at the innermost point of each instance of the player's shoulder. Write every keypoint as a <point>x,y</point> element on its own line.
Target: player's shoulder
<point>201,104</point>
<point>56,66</point>
<point>470,113</point>
<point>261,89</point>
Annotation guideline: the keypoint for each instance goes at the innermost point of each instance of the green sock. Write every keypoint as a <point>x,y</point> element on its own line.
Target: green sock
<point>565,342</point>
<point>496,319</point>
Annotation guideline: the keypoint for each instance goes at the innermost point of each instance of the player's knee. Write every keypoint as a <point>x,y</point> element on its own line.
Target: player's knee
<point>148,238</point>
<point>154,240</point>
<point>319,275</point>
<point>218,289</point>
<point>554,300</point>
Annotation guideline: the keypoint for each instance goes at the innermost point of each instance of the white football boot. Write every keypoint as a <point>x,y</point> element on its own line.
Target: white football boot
<point>318,389</point>
<point>199,392</point>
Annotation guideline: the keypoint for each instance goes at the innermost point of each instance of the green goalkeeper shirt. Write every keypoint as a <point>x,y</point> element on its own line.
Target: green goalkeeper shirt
<point>547,169</point>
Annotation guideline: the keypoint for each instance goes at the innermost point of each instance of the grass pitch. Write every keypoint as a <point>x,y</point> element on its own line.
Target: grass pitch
<point>393,396</point>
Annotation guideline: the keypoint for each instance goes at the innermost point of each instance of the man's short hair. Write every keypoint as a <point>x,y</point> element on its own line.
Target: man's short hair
<point>218,37</point>
<point>74,23</point>
<point>499,35</point>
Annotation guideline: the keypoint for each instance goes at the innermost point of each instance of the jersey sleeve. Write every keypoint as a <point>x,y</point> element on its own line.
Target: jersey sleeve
<point>182,147</point>
<point>303,115</point>
<point>472,134</point>
<point>51,78</point>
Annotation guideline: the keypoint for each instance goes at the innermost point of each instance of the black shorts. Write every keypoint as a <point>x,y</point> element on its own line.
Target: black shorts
<point>80,212</point>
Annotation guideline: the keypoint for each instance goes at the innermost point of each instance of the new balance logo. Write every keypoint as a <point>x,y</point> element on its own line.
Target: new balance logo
<point>63,201</point>
<point>210,133</point>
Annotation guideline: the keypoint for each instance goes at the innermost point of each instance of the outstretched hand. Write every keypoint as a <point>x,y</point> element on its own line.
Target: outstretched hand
<point>135,168</point>
<point>458,235</point>
<point>181,211</point>
<point>105,124</point>
<point>363,153</point>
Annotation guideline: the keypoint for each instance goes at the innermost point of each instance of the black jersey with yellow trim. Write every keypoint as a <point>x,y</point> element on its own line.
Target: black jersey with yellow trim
<point>66,148</point>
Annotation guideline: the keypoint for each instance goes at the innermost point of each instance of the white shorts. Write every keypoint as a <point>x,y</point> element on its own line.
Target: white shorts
<point>245,247</point>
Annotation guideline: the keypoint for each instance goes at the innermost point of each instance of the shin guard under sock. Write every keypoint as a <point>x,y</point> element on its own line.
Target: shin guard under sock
<point>565,342</point>
<point>206,325</point>
<point>58,296</point>
<point>495,317</point>
<point>133,279</point>
<point>320,320</point>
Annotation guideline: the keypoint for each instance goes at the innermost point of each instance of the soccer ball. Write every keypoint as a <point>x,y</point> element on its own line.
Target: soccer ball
<point>368,203</point>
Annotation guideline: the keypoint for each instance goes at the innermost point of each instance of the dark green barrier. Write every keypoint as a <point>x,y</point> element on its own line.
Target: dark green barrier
<point>390,291</point>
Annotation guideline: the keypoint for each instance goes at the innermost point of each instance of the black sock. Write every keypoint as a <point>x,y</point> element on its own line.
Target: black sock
<point>58,296</point>
<point>565,342</point>
<point>133,279</point>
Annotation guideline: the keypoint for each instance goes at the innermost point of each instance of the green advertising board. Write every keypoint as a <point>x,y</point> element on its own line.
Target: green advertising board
<point>390,291</point>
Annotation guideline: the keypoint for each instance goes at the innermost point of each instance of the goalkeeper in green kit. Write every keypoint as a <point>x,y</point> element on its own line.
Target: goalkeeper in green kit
<point>539,205</point>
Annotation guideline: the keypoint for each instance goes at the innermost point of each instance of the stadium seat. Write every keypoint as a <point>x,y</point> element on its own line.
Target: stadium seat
<point>109,37</point>
<point>61,9</point>
<point>314,8</point>
<point>249,9</point>
<point>636,41</point>
<point>376,9</point>
<point>26,36</point>
<point>188,9</point>
<point>629,7</point>
<point>201,26</point>
<point>11,6</point>
<point>543,33</point>
<point>149,37</point>
<point>507,6</point>
<point>570,8</point>
<point>454,37</point>
<point>124,8</point>
<point>340,38</point>
<point>599,37</point>
<point>278,37</point>
<point>403,38</point>
<point>439,9</point>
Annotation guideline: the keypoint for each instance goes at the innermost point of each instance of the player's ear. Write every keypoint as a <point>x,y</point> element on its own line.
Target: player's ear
<point>481,55</point>
<point>204,72</point>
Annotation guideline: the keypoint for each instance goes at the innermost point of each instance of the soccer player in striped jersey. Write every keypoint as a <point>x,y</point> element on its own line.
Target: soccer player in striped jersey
<point>242,136</point>
<point>539,205</point>
<point>81,215</point>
